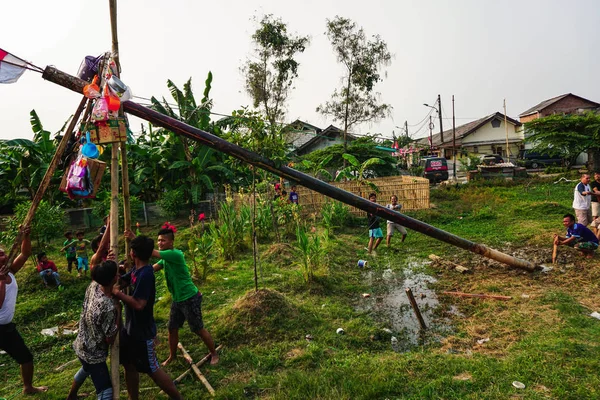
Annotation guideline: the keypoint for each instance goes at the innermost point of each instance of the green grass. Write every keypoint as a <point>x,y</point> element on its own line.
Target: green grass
<point>545,340</point>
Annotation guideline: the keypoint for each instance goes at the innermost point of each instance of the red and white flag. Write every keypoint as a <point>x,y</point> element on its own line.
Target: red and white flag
<point>11,67</point>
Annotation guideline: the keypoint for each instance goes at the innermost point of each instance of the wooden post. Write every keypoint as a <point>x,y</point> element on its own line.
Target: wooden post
<point>46,181</point>
<point>196,370</point>
<point>114,205</point>
<point>415,308</point>
<point>114,246</point>
<point>554,252</point>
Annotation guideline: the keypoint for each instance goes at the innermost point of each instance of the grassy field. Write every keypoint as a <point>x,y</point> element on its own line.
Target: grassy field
<point>543,337</point>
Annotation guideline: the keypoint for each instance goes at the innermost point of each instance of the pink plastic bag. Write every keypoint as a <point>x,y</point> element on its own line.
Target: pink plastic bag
<point>100,111</point>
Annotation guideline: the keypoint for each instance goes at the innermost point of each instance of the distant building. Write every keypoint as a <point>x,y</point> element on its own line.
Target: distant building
<point>564,104</point>
<point>304,138</point>
<point>486,135</point>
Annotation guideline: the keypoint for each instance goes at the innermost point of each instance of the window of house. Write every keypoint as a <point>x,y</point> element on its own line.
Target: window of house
<point>475,149</point>
<point>496,123</point>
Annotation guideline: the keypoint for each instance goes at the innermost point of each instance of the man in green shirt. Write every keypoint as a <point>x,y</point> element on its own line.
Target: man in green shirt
<point>187,300</point>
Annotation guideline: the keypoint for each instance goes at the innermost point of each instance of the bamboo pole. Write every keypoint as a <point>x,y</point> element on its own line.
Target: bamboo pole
<point>114,206</point>
<point>196,370</point>
<point>54,75</point>
<point>37,198</point>
<point>114,246</point>
<point>198,364</point>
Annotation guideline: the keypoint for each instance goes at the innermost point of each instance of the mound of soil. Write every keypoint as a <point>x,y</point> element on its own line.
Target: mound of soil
<point>264,315</point>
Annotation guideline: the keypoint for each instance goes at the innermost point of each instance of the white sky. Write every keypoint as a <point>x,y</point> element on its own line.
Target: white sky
<point>482,51</point>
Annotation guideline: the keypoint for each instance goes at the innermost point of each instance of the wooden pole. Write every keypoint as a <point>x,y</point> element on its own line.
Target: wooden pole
<point>554,253</point>
<point>196,370</point>
<point>506,128</point>
<point>114,246</point>
<point>37,198</point>
<point>415,308</point>
<point>305,180</point>
<point>114,206</point>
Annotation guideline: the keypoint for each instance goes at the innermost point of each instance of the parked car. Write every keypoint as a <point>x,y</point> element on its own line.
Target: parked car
<point>434,168</point>
<point>491,159</point>
<point>535,160</point>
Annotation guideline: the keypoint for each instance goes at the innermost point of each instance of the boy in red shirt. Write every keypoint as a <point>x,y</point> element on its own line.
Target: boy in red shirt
<point>48,271</point>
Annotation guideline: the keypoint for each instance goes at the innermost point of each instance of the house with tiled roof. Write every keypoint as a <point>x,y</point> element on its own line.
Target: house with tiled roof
<point>486,135</point>
<point>303,138</point>
<point>564,104</point>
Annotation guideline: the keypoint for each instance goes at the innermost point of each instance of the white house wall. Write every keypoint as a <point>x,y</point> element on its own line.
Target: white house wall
<point>488,134</point>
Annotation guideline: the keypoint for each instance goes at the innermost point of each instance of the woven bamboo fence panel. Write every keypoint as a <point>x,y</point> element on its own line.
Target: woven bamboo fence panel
<point>412,192</point>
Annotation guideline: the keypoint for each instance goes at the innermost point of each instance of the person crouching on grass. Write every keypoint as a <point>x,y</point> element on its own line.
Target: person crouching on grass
<point>98,327</point>
<point>10,338</point>
<point>375,233</point>
<point>578,236</point>
<point>187,299</point>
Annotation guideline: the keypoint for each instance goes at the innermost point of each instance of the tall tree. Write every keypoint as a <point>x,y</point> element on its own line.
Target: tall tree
<point>567,136</point>
<point>271,72</point>
<point>356,102</point>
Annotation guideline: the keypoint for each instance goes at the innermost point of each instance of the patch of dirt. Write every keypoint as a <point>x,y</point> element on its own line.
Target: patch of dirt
<point>258,317</point>
<point>294,353</point>
<point>281,254</point>
<point>465,376</point>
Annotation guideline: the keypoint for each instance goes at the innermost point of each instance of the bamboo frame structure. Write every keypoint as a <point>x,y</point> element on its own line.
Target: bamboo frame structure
<point>70,82</point>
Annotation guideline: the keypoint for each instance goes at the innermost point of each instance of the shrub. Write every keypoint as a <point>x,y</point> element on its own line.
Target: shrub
<point>171,203</point>
<point>201,250</point>
<point>48,223</point>
<point>228,234</point>
<point>310,254</point>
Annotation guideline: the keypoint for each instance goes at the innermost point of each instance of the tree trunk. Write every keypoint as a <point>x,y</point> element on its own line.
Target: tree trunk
<point>594,159</point>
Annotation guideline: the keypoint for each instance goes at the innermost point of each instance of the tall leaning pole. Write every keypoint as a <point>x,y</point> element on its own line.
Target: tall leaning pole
<point>75,84</point>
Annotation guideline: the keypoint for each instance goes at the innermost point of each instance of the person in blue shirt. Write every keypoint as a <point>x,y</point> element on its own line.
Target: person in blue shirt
<point>578,236</point>
<point>137,353</point>
<point>293,195</point>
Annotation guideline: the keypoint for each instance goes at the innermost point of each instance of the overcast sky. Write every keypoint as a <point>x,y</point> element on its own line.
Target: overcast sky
<point>482,51</point>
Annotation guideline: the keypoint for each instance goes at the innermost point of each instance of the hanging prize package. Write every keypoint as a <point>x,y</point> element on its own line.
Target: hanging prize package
<point>89,67</point>
<point>100,110</point>
<point>111,131</point>
<point>92,90</point>
<point>83,178</point>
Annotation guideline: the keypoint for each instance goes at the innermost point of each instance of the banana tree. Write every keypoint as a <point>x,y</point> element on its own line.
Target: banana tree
<point>24,162</point>
<point>359,172</point>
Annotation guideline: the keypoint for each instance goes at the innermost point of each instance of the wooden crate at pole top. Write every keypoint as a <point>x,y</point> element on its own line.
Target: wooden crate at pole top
<point>111,131</point>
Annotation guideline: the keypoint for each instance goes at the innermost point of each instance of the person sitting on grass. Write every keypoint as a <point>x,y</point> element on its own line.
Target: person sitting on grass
<point>10,338</point>
<point>375,233</point>
<point>137,352</point>
<point>98,327</point>
<point>187,299</point>
<point>578,236</point>
<point>48,271</point>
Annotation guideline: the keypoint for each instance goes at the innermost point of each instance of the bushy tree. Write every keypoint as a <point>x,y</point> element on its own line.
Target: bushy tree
<point>567,136</point>
<point>271,71</point>
<point>356,102</point>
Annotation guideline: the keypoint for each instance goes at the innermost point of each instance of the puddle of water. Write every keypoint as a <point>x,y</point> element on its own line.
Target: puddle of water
<point>390,305</point>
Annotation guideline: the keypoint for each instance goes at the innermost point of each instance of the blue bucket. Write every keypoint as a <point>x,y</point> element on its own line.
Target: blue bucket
<point>362,263</point>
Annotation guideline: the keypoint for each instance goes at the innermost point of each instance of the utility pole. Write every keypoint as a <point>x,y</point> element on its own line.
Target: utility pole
<point>506,127</point>
<point>453,139</point>
<point>441,128</point>
<point>406,128</point>
<point>430,136</point>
